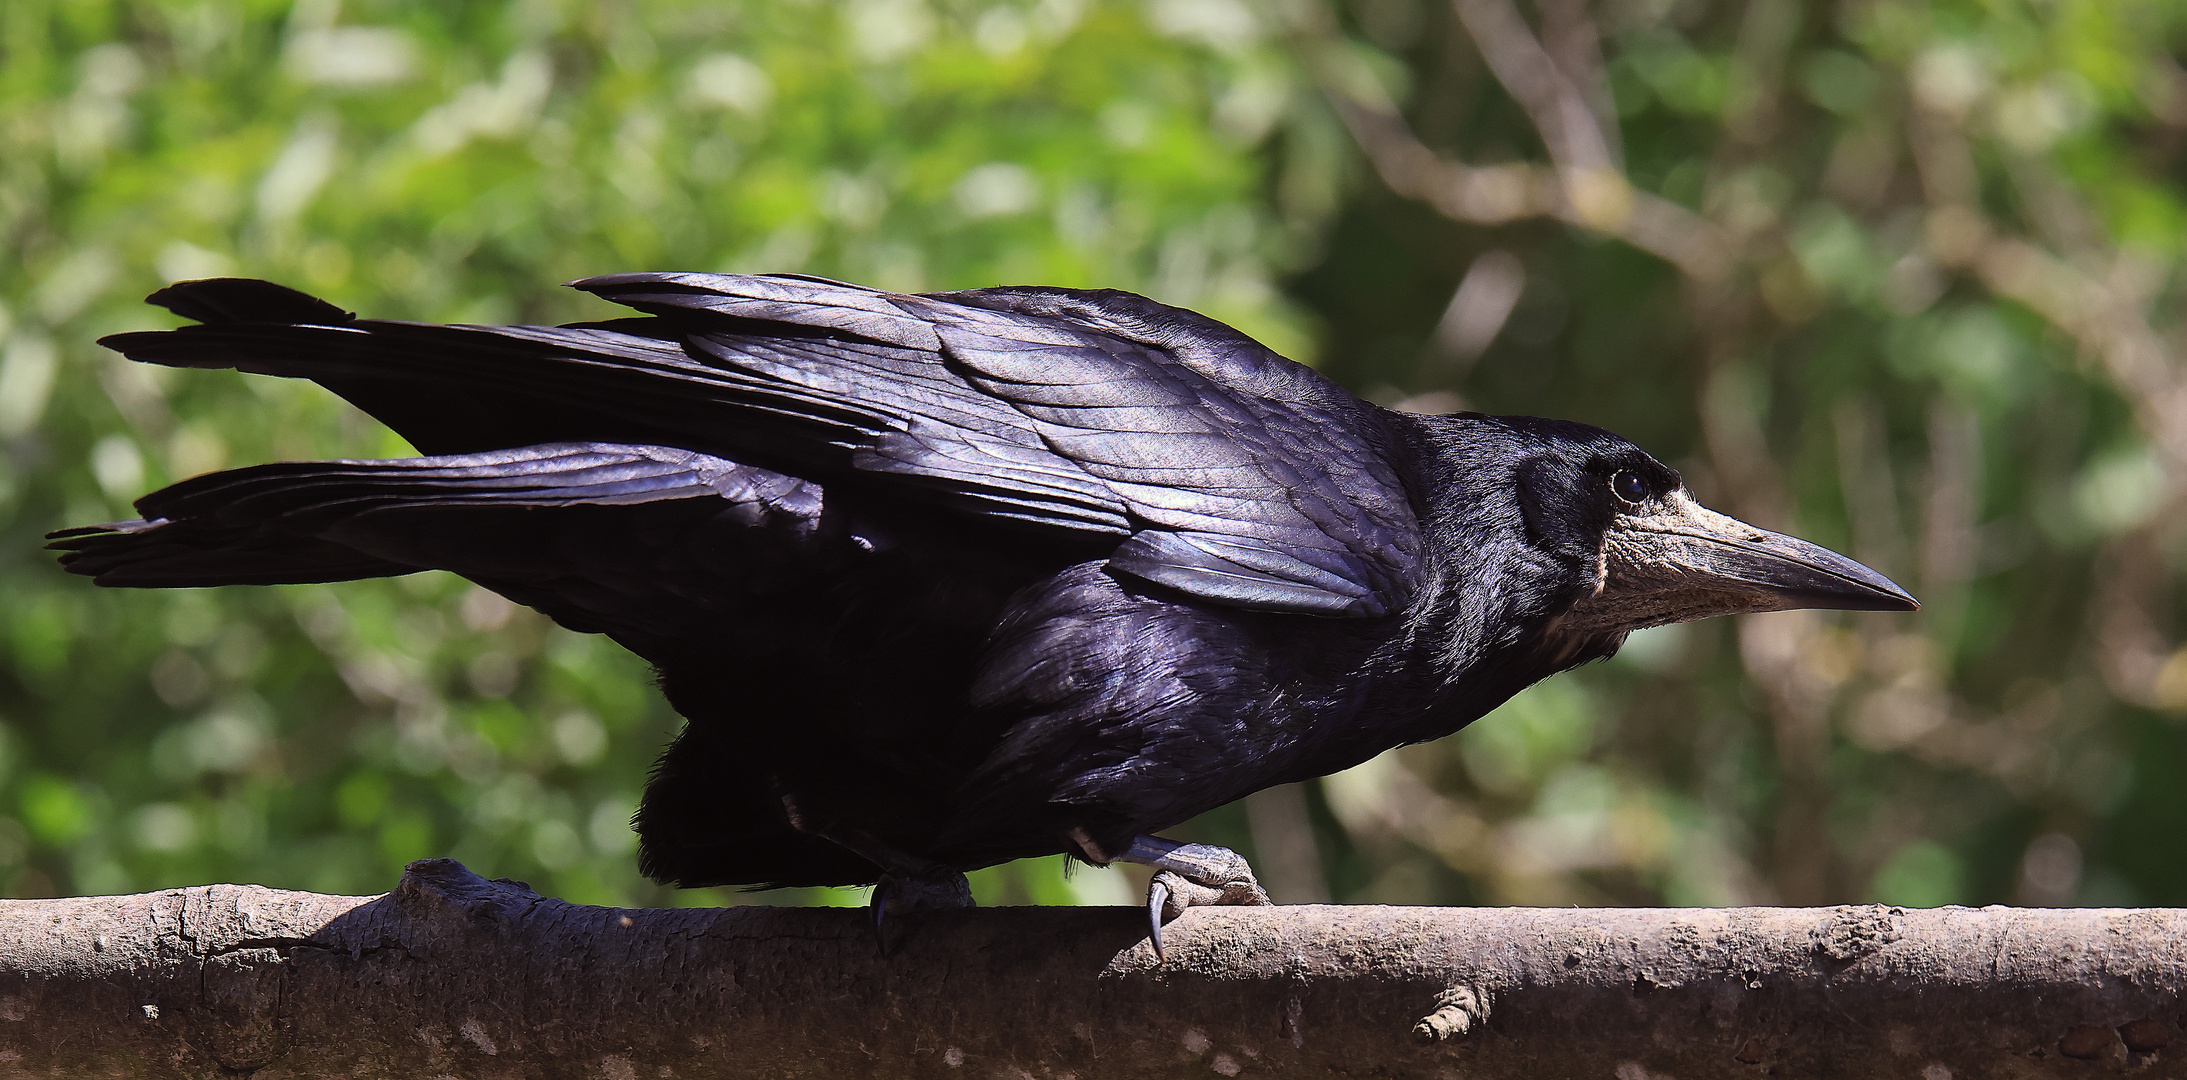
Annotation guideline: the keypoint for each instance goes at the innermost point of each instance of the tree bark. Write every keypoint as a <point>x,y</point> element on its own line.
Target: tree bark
<point>452,975</point>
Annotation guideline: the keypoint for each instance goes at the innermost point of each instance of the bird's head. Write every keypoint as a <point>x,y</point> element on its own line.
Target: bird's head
<point>1634,549</point>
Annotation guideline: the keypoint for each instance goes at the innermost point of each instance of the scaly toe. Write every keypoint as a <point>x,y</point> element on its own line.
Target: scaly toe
<point>1170,893</point>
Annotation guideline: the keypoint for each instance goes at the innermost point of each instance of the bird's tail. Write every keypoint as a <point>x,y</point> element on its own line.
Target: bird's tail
<point>315,521</point>
<point>164,555</point>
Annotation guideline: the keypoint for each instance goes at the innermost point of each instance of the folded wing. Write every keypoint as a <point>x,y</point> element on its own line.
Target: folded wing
<point>1221,469</point>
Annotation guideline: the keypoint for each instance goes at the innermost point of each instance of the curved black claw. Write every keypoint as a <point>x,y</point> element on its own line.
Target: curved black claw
<point>902,894</point>
<point>1157,899</point>
<point>1189,876</point>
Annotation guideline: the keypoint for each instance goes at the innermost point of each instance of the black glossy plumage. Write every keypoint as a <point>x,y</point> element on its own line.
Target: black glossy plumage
<point>961,573</point>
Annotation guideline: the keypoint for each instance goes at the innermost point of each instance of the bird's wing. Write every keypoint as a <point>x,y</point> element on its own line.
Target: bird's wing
<point>1242,477</point>
<point>1225,471</point>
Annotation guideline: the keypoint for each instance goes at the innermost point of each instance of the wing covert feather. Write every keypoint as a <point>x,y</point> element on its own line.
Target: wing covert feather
<point>1241,477</point>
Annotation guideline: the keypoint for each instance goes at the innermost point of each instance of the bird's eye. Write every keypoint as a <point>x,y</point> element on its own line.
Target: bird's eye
<point>1629,486</point>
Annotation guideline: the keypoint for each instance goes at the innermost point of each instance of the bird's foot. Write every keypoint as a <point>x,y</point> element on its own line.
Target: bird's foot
<point>1191,875</point>
<point>908,882</point>
<point>898,894</point>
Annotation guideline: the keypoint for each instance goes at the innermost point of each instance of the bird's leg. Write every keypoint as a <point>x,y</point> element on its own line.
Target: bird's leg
<point>914,885</point>
<point>1186,876</point>
<point>908,882</point>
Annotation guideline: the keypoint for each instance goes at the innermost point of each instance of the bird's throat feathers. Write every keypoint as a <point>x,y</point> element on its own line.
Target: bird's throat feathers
<point>1515,542</point>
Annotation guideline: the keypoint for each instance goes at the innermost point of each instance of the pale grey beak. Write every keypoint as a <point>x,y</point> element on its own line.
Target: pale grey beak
<point>1676,560</point>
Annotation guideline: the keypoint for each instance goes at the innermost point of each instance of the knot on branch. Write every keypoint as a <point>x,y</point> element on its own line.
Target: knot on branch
<point>1457,1011</point>
<point>438,885</point>
<point>1854,933</point>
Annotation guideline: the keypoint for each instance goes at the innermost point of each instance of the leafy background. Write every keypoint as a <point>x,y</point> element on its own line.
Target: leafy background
<point>1901,277</point>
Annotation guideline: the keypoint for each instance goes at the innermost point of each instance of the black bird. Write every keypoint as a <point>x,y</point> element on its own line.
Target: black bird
<point>945,580</point>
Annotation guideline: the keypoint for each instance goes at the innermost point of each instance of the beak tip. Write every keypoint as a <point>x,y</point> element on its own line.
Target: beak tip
<point>1895,597</point>
<point>1877,593</point>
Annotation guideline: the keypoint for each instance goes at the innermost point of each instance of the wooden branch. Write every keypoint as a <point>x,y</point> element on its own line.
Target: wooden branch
<point>451,975</point>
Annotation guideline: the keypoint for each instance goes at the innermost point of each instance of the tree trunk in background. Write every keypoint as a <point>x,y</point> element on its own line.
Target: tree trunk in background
<point>454,975</point>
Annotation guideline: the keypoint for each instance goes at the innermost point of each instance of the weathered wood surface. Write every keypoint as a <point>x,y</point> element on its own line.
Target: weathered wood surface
<point>451,975</point>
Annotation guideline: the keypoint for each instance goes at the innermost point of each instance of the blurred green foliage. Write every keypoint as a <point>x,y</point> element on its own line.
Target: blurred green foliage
<point>1870,370</point>
<point>1941,338</point>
